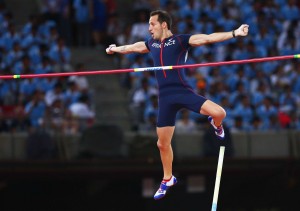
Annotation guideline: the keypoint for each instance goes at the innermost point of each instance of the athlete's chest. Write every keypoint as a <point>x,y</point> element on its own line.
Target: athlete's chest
<point>168,46</point>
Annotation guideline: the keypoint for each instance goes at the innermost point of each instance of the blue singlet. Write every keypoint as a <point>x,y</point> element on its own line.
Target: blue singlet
<point>174,91</point>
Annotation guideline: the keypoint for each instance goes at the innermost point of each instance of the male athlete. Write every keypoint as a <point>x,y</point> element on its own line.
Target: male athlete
<point>175,93</point>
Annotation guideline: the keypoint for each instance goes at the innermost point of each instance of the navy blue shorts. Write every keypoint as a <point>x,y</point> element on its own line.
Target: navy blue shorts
<point>170,104</point>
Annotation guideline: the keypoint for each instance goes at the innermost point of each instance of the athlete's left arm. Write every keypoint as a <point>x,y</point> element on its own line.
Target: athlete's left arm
<point>202,39</point>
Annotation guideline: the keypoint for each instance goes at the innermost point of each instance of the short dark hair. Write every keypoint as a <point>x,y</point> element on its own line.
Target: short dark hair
<point>163,16</point>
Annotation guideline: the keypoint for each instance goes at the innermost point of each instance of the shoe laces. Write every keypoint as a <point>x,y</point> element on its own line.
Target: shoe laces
<point>163,187</point>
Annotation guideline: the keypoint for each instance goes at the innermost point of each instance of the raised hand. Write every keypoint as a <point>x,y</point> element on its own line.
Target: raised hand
<point>242,30</point>
<point>108,50</point>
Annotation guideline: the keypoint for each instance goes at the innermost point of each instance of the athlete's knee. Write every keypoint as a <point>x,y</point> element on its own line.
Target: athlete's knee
<point>221,113</point>
<point>218,113</point>
<point>212,109</point>
<point>162,145</point>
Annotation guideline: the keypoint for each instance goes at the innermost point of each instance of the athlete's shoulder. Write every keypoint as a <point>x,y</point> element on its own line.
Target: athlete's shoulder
<point>182,35</point>
<point>183,39</point>
<point>150,40</point>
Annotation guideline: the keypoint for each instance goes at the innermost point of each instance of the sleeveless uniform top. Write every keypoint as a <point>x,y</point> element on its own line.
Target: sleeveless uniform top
<point>171,51</point>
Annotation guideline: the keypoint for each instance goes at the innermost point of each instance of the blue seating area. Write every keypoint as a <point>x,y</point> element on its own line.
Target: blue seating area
<point>37,47</point>
<point>257,96</point>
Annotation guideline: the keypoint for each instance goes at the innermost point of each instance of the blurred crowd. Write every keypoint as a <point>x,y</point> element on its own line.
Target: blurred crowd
<point>257,96</point>
<point>58,104</point>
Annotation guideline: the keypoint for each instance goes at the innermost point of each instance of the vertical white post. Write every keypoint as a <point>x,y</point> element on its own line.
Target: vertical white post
<point>218,178</point>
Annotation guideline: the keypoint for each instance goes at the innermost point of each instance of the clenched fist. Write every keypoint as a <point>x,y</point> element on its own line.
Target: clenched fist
<point>108,50</point>
<point>242,30</point>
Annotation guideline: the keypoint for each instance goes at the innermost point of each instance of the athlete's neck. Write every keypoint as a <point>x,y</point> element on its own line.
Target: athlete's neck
<point>166,35</point>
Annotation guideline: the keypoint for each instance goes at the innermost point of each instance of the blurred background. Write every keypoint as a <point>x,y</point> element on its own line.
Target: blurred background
<point>89,142</point>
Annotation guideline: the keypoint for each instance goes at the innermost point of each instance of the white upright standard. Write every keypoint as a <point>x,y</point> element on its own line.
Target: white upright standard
<point>218,178</point>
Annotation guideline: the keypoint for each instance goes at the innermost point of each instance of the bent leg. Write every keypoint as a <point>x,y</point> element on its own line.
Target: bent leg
<point>165,135</point>
<point>214,110</point>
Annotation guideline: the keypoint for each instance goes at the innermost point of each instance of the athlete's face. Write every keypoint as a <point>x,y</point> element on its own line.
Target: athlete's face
<point>155,28</point>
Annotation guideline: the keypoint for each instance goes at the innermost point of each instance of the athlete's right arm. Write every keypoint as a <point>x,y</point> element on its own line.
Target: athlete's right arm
<point>138,47</point>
